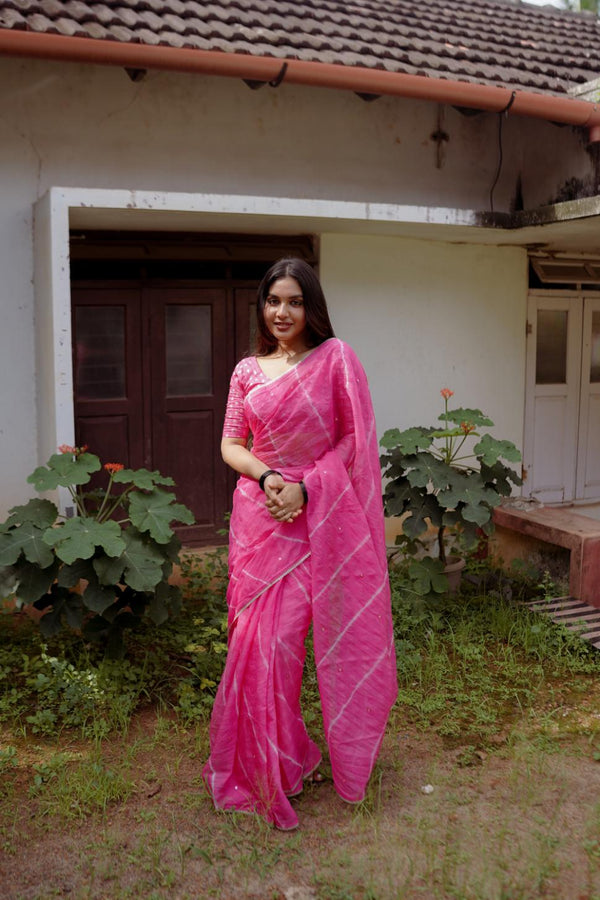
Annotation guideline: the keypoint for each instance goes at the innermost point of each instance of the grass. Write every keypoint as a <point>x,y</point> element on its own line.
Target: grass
<point>497,712</point>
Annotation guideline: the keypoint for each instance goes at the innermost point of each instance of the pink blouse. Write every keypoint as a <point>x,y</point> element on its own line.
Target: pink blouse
<point>246,375</point>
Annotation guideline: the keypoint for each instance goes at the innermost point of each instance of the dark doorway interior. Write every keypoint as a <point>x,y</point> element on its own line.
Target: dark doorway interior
<point>158,323</point>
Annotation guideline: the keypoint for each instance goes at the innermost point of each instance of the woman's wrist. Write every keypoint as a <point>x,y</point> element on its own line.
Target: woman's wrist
<point>265,475</point>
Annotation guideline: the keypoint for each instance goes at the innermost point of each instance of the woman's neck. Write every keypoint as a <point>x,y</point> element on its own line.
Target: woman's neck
<point>290,350</point>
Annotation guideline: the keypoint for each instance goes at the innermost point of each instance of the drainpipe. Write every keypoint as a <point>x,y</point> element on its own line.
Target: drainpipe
<point>564,110</point>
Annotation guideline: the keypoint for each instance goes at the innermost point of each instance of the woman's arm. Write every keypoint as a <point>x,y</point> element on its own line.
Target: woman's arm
<point>284,499</point>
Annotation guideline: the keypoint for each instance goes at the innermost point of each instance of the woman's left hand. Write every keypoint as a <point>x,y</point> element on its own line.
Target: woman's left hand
<point>289,503</point>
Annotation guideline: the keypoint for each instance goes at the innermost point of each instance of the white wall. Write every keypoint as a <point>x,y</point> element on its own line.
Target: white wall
<point>90,126</point>
<point>423,316</point>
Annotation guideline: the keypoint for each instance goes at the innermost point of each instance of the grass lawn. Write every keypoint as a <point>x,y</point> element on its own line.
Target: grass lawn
<point>486,787</point>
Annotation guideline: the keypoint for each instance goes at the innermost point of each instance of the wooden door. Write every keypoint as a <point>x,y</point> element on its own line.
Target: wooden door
<point>151,368</point>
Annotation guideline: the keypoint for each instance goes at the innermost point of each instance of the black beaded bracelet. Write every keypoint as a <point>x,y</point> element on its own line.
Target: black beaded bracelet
<point>264,476</point>
<point>304,491</point>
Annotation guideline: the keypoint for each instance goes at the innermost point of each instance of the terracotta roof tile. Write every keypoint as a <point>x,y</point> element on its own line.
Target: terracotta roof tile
<point>504,42</point>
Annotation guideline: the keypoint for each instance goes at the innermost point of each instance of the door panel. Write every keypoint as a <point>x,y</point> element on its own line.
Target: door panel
<point>552,397</point>
<point>189,391</point>
<point>108,373</point>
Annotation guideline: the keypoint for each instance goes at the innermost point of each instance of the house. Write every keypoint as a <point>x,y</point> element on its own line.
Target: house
<point>439,162</point>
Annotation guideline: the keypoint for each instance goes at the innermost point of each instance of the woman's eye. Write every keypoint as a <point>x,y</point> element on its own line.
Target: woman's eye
<point>297,303</point>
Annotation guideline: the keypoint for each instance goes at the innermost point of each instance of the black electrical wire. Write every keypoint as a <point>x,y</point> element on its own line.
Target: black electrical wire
<point>501,116</point>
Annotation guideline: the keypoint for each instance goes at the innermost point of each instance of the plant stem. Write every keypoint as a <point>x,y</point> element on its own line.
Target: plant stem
<point>77,500</point>
<point>105,500</point>
<point>118,500</point>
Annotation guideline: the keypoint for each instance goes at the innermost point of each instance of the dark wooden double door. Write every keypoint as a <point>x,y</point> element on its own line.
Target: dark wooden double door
<point>151,370</point>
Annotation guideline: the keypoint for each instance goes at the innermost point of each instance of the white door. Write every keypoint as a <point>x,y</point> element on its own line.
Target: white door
<point>588,457</point>
<point>562,411</point>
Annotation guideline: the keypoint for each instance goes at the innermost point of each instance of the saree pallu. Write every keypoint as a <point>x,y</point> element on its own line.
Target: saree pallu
<point>327,567</point>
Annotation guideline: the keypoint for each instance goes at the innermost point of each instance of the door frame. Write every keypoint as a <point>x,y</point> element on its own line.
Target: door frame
<point>578,351</point>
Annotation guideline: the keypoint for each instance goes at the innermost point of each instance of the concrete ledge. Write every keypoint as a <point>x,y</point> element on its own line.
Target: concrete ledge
<point>578,534</point>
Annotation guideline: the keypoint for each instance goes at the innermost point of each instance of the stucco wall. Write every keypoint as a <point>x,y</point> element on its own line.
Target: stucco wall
<point>424,316</point>
<point>85,126</point>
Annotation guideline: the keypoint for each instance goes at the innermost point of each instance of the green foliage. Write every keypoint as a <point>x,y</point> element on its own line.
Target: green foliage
<point>93,572</point>
<point>65,682</point>
<point>443,478</point>
<point>470,664</point>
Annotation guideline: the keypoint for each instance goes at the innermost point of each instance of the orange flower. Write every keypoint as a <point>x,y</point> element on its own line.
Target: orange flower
<point>83,449</point>
<point>466,427</point>
<point>65,448</point>
<point>113,467</point>
<point>446,393</point>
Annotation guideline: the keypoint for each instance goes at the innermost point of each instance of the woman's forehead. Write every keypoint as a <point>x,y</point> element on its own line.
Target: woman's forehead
<point>285,287</point>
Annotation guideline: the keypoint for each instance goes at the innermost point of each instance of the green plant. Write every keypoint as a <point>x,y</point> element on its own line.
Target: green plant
<point>102,569</point>
<point>438,476</point>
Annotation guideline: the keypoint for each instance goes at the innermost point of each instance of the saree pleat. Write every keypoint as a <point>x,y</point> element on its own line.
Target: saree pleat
<point>327,567</point>
<point>260,747</point>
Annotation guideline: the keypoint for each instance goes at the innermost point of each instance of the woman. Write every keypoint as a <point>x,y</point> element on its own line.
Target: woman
<point>306,545</point>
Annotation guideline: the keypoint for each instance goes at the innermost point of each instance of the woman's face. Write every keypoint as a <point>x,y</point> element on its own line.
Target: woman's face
<point>284,312</point>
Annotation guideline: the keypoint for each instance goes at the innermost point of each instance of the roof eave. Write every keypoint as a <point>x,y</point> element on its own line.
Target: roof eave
<point>41,45</point>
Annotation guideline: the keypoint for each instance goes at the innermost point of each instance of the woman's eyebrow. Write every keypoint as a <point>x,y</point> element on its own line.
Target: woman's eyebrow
<point>291,297</point>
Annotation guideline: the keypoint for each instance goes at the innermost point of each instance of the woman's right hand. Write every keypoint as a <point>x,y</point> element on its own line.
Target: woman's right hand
<point>286,502</point>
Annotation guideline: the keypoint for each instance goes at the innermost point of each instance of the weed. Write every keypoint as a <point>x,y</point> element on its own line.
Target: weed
<point>74,790</point>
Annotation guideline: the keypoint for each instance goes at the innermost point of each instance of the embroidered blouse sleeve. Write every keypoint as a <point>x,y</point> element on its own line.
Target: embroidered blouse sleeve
<point>236,424</point>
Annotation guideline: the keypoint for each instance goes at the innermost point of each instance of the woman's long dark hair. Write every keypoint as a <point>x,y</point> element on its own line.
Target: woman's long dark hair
<point>318,325</point>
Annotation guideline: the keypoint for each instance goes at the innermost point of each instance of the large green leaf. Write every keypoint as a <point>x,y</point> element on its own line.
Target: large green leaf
<point>423,507</point>
<point>501,477</point>
<point>471,416</point>
<point>153,512</point>
<point>427,575</point>
<point>109,569</point>
<point>64,469</point>
<point>27,539</point>
<point>427,470</point>
<point>166,598</point>
<point>78,538</point>
<point>409,441</point>
<point>143,562</point>
<point>97,598</point>
<point>42,513</point>
<point>477,501</point>
<point>63,604</point>
<point>142,478</point>
<point>70,576</point>
<point>10,548</point>
<point>33,581</point>
<point>489,450</point>
<point>171,550</point>
<point>36,550</point>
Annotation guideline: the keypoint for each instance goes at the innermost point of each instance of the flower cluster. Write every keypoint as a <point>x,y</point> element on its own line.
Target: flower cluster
<point>73,451</point>
<point>113,468</point>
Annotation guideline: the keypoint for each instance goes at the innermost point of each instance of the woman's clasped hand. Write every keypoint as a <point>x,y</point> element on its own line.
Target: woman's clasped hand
<point>284,500</point>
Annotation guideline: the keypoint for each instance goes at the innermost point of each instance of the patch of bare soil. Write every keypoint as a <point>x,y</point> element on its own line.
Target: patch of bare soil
<point>518,819</point>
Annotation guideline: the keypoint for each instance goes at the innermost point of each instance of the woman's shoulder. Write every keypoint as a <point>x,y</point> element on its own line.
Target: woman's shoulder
<point>341,351</point>
<point>245,367</point>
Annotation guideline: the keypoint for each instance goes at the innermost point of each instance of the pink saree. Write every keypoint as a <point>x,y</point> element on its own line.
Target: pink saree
<point>327,567</point>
